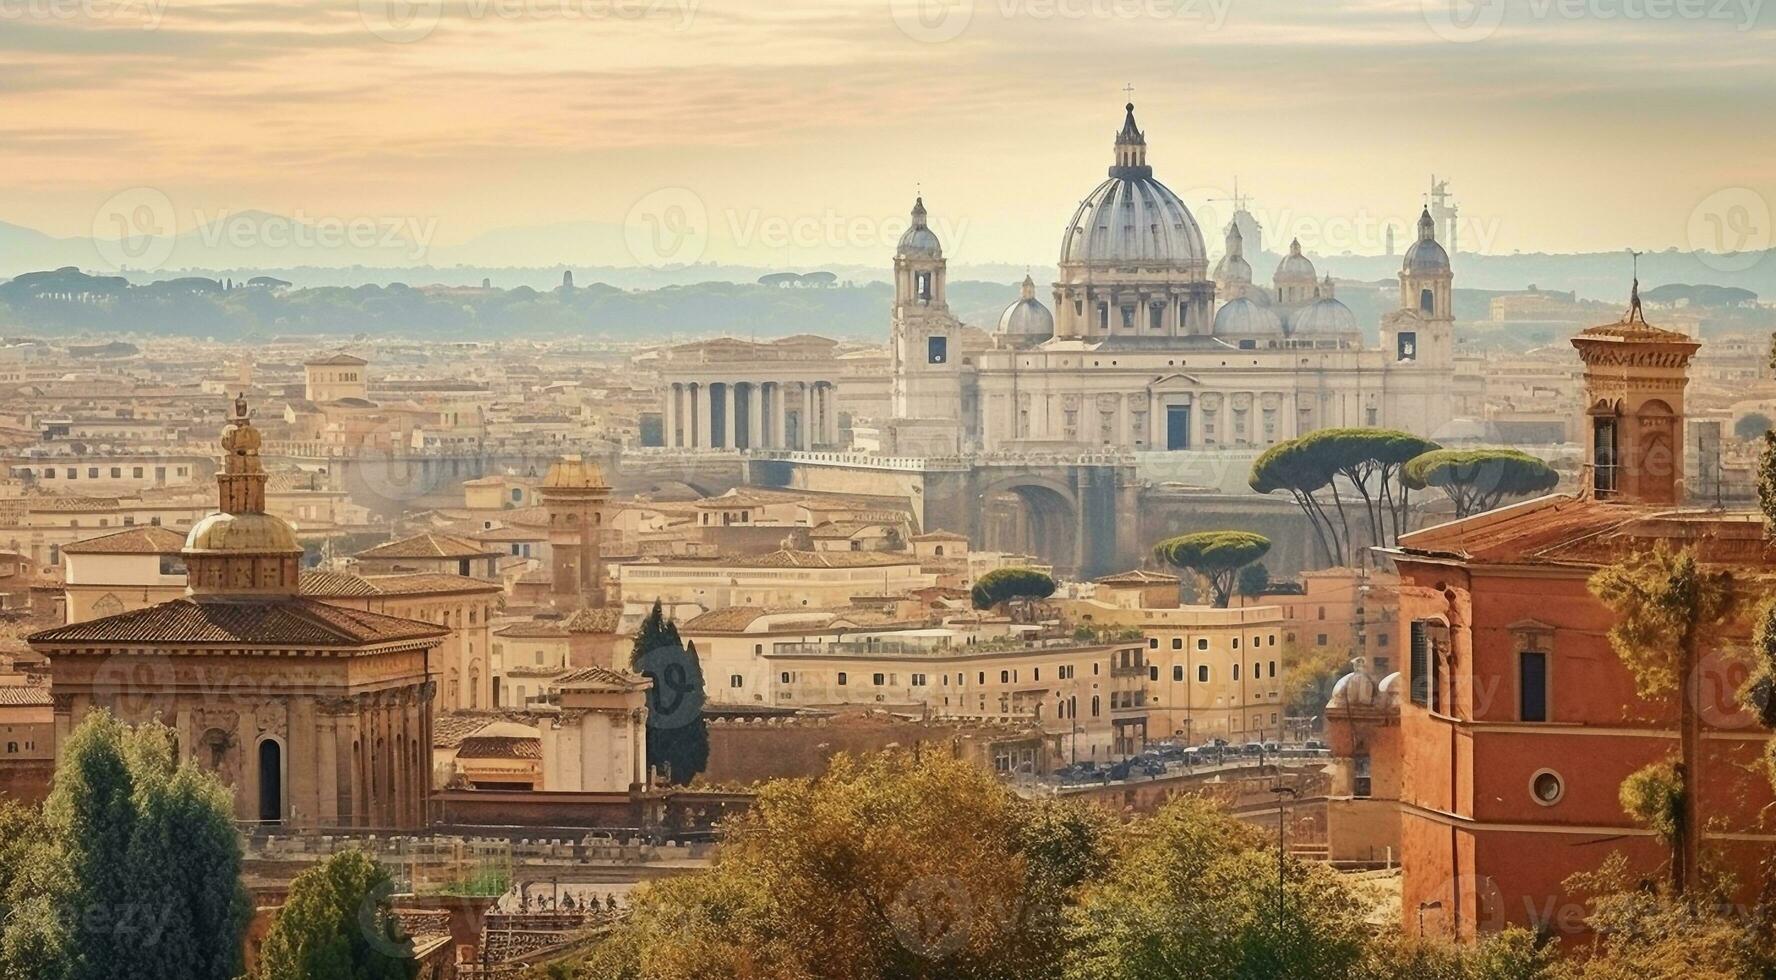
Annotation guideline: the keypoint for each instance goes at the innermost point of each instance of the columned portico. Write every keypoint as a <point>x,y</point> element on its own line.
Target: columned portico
<point>767,413</point>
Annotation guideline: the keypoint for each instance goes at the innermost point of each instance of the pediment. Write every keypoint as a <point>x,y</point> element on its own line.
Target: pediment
<point>1176,381</point>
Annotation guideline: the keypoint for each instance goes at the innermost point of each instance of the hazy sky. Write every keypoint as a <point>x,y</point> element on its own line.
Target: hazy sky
<point>796,131</point>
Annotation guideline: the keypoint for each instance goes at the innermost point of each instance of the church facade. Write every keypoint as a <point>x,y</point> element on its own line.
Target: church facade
<point>1145,348</point>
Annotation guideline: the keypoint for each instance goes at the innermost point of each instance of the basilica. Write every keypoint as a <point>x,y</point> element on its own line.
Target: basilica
<point>1144,347</point>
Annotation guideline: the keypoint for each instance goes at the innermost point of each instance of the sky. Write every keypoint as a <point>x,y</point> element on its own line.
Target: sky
<point>797,132</point>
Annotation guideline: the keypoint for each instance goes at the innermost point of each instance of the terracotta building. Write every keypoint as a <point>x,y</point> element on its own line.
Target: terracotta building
<point>318,716</point>
<point>1518,722</point>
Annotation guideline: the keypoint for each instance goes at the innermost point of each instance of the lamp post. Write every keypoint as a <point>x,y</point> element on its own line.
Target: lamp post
<point>1422,906</point>
<point>1282,810</point>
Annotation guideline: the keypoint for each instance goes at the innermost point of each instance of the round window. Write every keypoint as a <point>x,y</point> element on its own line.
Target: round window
<point>1547,787</point>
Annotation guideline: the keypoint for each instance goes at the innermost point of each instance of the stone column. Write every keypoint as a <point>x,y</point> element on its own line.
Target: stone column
<point>779,417</point>
<point>326,813</point>
<point>807,439</point>
<point>730,404</point>
<point>694,428</point>
<point>755,415</point>
<point>670,438</point>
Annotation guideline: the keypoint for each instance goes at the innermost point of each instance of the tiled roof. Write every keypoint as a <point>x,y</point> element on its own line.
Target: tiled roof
<point>729,619</point>
<point>500,747</point>
<point>449,728</point>
<point>533,631</point>
<point>144,540</point>
<point>24,696</point>
<point>340,360</point>
<point>597,678</point>
<point>821,559</point>
<point>594,621</point>
<point>428,545</point>
<point>939,536</point>
<point>1584,532</point>
<point>334,585</point>
<point>285,622</point>
<point>1138,576</point>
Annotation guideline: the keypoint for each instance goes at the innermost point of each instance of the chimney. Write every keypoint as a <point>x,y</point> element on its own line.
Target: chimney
<point>1635,375</point>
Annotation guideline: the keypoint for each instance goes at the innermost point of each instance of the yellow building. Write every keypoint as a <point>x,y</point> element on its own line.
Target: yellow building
<point>1211,673</point>
<point>460,664</point>
<point>782,580</point>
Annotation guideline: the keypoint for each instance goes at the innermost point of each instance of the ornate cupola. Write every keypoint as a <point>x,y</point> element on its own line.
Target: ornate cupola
<point>1131,150</point>
<point>241,552</point>
<point>1635,376</point>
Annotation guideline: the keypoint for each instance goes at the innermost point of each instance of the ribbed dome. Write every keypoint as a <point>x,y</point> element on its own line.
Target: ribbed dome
<point>1244,318</point>
<point>1132,219</point>
<point>1425,255</point>
<point>1353,690</point>
<point>1027,318</point>
<point>1323,317</point>
<point>919,241</point>
<point>1295,267</point>
<point>242,534</point>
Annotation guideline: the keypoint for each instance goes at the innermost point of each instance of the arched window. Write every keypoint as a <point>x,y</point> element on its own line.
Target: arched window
<point>1426,302</point>
<point>271,781</point>
<point>1095,705</point>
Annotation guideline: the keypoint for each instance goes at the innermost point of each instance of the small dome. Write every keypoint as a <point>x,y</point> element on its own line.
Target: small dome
<point>242,534</point>
<point>1027,317</point>
<point>1425,256</point>
<point>1295,267</point>
<point>1243,317</point>
<point>919,241</point>
<point>574,472</point>
<point>1390,690</point>
<point>1324,317</point>
<point>1353,690</point>
<point>1233,269</point>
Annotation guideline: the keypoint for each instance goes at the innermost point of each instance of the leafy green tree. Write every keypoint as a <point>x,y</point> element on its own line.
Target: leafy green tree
<point>1253,580</point>
<point>1478,480</point>
<point>1752,425</point>
<point>1002,585</point>
<point>1368,461</point>
<point>137,872</point>
<point>678,734</point>
<point>1215,555</point>
<point>338,923</point>
<point>1666,606</point>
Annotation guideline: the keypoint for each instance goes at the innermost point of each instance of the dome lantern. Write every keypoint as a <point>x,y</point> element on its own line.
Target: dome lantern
<point>241,551</point>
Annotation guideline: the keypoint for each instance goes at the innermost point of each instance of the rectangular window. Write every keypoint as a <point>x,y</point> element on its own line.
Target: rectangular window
<point>1532,686</point>
<point>1420,665</point>
<point>1603,453</point>
<point>1406,346</point>
<point>1202,673</point>
<point>841,678</point>
<point>1177,672</point>
<point>937,350</point>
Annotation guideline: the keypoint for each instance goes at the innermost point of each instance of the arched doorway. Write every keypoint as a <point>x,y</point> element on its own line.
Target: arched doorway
<point>1034,519</point>
<point>271,781</point>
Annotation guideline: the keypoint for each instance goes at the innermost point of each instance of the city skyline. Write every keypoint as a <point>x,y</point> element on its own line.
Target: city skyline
<point>571,127</point>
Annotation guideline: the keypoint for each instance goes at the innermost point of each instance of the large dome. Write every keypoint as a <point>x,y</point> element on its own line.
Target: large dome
<point>242,534</point>
<point>1131,219</point>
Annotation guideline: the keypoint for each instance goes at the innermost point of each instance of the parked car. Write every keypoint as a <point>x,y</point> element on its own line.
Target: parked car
<point>1315,745</point>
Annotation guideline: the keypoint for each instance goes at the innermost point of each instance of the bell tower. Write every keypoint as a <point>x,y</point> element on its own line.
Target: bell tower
<point>574,494</point>
<point>923,350</point>
<point>1635,377</point>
